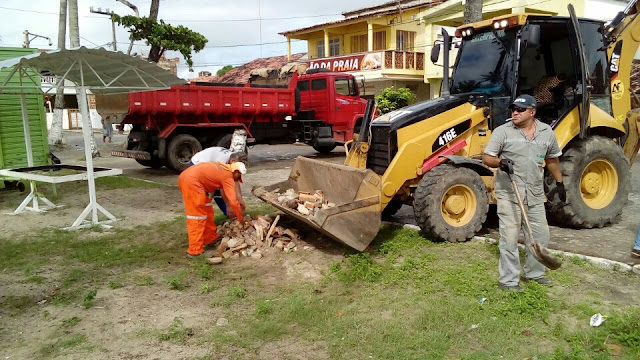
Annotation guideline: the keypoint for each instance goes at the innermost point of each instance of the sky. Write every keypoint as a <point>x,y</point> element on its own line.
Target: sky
<point>225,24</point>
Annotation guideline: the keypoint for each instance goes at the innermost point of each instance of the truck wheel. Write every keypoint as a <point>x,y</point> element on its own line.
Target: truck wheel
<point>391,209</point>
<point>597,178</point>
<point>324,149</point>
<point>154,163</point>
<point>450,203</point>
<point>180,151</point>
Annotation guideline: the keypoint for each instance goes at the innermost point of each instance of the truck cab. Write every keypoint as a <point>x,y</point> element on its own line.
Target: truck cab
<point>333,99</point>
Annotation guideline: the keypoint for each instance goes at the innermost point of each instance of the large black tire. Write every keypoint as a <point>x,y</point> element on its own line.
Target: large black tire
<point>592,204</point>
<point>391,209</point>
<point>154,163</point>
<point>181,149</point>
<point>324,149</point>
<point>436,188</point>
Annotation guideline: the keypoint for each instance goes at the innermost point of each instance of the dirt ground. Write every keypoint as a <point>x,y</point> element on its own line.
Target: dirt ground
<point>124,319</point>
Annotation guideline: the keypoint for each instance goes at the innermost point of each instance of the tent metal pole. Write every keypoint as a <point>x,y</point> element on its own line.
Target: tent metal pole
<point>82,97</point>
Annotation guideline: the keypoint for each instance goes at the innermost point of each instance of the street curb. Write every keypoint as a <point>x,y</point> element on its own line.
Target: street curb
<point>595,261</point>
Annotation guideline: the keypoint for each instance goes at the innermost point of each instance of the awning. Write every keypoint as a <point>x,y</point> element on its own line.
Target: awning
<point>97,70</point>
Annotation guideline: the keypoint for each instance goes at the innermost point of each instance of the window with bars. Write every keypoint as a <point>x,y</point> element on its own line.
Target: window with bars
<point>380,40</point>
<point>405,40</point>
<point>334,47</point>
<point>359,43</point>
<point>320,48</point>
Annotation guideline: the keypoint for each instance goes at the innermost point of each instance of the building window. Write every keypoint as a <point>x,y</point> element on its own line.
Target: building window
<point>405,40</point>
<point>359,43</point>
<point>334,47</point>
<point>320,47</point>
<point>380,40</point>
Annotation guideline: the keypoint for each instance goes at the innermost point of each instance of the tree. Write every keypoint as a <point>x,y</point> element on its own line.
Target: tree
<point>473,11</point>
<point>225,69</point>
<point>164,36</point>
<point>56,136</point>
<point>391,99</point>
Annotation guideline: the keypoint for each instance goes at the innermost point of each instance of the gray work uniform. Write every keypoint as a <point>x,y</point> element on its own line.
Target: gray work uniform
<point>508,141</point>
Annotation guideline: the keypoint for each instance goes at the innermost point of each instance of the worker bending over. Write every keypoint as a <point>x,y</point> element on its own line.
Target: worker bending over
<point>518,148</point>
<point>195,182</point>
<point>225,156</point>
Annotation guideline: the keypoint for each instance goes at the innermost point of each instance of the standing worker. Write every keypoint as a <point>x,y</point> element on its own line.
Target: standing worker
<point>195,182</point>
<point>225,156</point>
<point>521,145</point>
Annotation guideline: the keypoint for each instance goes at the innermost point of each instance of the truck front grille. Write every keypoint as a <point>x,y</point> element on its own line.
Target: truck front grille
<point>381,150</point>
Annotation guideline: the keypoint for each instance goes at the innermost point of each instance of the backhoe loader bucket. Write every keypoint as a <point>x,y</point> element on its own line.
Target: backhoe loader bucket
<point>355,220</point>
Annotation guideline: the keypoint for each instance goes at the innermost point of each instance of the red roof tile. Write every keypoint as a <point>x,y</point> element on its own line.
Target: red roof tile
<point>240,74</point>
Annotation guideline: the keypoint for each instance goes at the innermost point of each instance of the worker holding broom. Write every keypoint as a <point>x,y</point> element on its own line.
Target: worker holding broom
<point>518,148</point>
<point>195,182</point>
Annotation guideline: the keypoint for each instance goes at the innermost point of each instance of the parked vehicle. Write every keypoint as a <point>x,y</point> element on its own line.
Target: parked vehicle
<point>319,108</point>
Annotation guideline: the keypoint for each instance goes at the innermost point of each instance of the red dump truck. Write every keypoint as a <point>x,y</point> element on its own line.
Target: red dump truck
<point>319,108</point>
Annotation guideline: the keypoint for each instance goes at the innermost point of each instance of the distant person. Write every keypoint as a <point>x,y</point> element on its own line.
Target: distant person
<point>635,252</point>
<point>195,182</point>
<point>225,156</point>
<point>107,131</point>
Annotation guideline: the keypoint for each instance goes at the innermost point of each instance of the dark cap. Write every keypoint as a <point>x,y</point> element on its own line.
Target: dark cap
<point>524,101</point>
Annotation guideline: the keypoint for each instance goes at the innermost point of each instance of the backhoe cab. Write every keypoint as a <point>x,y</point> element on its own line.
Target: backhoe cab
<point>428,154</point>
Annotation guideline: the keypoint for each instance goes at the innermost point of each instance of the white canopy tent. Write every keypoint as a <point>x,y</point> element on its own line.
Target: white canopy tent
<point>97,70</point>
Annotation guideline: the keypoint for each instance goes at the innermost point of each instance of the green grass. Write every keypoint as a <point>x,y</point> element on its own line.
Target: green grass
<point>176,333</point>
<point>177,282</point>
<point>404,298</point>
<point>61,345</point>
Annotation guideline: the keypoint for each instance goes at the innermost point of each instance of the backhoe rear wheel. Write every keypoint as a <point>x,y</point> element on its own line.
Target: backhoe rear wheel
<point>450,203</point>
<point>597,177</point>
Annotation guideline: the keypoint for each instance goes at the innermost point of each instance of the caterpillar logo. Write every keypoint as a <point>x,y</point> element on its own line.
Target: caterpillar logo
<point>615,60</point>
<point>614,63</point>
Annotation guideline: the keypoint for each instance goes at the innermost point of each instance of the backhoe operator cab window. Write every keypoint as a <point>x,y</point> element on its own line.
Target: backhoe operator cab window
<point>549,71</point>
<point>346,87</point>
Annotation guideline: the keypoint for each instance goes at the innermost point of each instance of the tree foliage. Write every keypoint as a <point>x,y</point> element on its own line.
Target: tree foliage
<point>166,36</point>
<point>391,99</point>
<point>225,69</point>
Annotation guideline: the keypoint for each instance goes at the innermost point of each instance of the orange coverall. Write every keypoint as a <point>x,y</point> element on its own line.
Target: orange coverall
<point>194,183</point>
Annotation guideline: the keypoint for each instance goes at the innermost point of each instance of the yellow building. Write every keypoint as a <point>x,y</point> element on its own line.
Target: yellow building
<point>389,44</point>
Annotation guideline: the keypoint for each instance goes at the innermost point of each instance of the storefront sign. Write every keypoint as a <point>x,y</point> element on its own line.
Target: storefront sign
<point>368,61</point>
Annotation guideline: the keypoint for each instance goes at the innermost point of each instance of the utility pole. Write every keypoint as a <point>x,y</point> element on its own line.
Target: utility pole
<point>113,24</point>
<point>27,40</point>
<point>472,11</point>
<point>135,9</point>
<point>56,136</point>
<point>74,40</point>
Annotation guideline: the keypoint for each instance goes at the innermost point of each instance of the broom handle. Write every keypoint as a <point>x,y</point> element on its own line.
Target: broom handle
<point>522,209</point>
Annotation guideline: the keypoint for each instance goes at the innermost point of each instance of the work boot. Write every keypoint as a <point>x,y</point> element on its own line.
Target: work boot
<point>205,254</point>
<point>516,288</point>
<point>635,253</point>
<point>541,280</point>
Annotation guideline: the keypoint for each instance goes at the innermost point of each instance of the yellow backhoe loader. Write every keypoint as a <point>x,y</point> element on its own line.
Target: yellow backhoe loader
<point>428,154</point>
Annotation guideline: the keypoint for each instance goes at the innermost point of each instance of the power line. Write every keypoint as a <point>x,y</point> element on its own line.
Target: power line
<point>183,20</point>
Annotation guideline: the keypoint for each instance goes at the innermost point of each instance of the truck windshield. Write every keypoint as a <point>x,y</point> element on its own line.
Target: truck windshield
<point>485,64</point>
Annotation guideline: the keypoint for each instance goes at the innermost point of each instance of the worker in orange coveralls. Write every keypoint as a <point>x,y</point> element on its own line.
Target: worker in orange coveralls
<point>195,182</point>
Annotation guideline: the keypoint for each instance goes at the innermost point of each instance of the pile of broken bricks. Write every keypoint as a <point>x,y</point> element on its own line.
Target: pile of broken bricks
<point>253,239</point>
<point>305,203</point>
